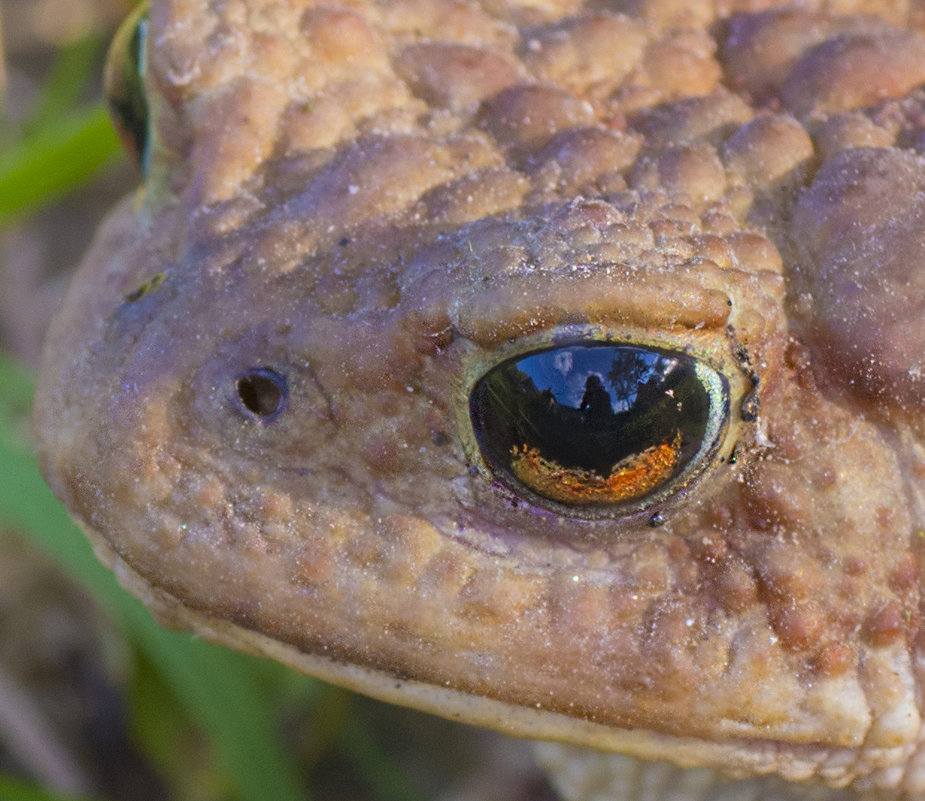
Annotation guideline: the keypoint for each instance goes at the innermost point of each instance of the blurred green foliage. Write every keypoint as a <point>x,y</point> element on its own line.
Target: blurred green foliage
<point>16,790</point>
<point>63,141</point>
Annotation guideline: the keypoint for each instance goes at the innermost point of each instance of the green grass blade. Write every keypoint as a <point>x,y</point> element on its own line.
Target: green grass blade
<point>226,697</point>
<point>16,387</point>
<point>221,689</point>
<point>17,790</point>
<point>54,161</point>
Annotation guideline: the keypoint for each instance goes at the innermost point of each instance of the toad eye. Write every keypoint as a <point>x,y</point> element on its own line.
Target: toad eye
<point>125,92</point>
<point>602,429</point>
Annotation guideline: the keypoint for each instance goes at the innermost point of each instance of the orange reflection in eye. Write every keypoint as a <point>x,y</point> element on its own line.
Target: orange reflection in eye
<point>630,478</point>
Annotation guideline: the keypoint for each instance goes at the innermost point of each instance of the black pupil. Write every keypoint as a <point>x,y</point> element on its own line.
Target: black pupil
<point>262,392</point>
<point>591,425</point>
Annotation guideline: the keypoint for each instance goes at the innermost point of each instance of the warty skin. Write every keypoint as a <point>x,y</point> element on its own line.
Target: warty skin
<point>380,202</point>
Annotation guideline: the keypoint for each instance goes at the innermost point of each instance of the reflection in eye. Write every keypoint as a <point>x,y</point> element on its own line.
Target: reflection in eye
<point>597,425</point>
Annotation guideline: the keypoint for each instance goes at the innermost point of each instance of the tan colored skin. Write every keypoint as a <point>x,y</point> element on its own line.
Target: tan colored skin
<point>383,200</point>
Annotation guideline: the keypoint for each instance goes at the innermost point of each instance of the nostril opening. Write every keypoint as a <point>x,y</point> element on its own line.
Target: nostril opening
<point>262,392</point>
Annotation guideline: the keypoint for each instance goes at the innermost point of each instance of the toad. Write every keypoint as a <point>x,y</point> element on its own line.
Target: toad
<point>551,366</point>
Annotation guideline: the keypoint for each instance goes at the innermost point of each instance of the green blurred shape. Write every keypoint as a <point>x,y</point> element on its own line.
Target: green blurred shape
<point>54,161</point>
<point>17,790</point>
<point>162,729</point>
<point>65,86</point>
<point>62,142</point>
<point>377,769</point>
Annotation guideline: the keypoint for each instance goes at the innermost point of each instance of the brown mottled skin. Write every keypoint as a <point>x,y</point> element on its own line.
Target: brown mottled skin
<point>381,201</point>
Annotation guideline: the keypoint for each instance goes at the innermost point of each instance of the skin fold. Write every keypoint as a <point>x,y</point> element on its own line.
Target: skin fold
<point>256,396</point>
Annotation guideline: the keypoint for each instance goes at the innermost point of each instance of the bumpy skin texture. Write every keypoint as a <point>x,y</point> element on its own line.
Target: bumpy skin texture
<point>382,200</point>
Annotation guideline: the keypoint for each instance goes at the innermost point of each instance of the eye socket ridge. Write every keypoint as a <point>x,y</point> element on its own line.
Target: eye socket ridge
<point>598,429</point>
